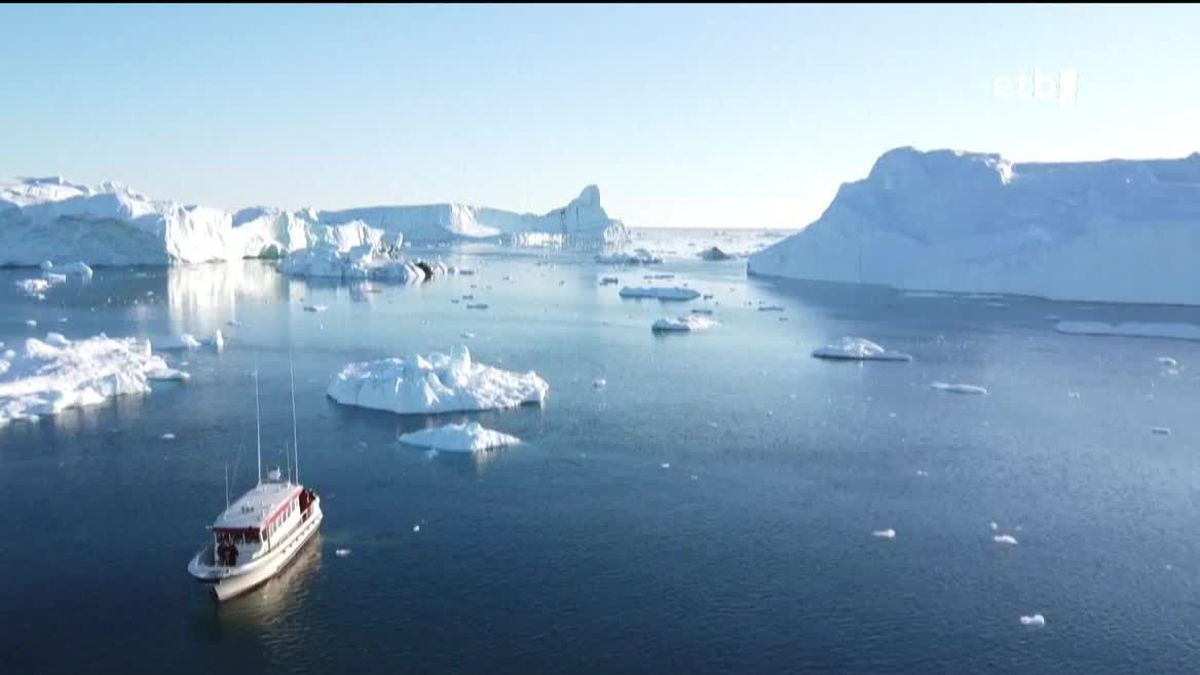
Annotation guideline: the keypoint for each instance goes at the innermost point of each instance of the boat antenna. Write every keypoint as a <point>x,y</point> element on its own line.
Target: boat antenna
<point>288,454</point>
<point>295,428</point>
<point>257,422</point>
<point>226,486</point>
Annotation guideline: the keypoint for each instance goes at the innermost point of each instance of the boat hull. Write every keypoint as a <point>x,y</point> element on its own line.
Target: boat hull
<point>228,583</point>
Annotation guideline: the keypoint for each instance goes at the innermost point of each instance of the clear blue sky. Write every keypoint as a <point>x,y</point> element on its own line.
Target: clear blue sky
<point>684,116</point>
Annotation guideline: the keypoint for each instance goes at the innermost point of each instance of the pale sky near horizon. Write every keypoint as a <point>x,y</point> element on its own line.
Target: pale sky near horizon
<point>702,116</point>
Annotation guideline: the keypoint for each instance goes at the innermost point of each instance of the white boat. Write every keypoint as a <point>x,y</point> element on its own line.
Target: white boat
<point>261,532</point>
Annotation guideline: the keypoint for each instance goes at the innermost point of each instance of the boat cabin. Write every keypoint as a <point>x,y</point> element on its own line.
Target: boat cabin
<point>259,520</point>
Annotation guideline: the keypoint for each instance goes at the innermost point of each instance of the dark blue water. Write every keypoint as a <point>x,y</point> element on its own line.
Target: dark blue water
<point>578,551</point>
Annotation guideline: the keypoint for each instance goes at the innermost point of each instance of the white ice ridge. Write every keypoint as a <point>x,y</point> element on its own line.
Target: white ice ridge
<point>373,260</point>
<point>638,256</point>
<point>684,324</point>
<point>858,349</point>
<point>53,374</point>
<point>470,437</point>
<point>49,218</point>
<point>434,383</point>
<point>958,388</point>
<point>1171,331</point>
<point>659,292</point>
<point>972,222</point>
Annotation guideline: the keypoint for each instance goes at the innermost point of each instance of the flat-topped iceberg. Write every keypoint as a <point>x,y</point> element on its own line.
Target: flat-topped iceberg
<point>434,383</point>
<point>54,374</point>
<point>639,256</point>
<point>960,388</point>
<point>375,261</point>
<point>1170,331</point>
<point>470,437</point>
<point>684,324</point>
<point>971,222</point>
<point>50,219</point>
<point>659,292</point>
<point>858,349</point>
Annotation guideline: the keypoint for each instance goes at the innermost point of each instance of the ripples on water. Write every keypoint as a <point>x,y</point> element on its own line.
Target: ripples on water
<point>578,551</point>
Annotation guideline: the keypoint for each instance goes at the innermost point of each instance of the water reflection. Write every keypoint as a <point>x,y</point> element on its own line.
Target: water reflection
<point>202,298</point>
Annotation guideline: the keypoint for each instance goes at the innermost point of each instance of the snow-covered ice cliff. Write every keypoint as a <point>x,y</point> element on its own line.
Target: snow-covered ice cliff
<point>52,219</point>
<point>1117,230</point>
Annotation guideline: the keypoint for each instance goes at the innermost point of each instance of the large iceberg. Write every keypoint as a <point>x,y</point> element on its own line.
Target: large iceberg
<point>435,383</point>
<point>50,219</point>
<point>1117,230</point>
<point>858,349</point>
<point>53,374</point>
<point>471,437</point>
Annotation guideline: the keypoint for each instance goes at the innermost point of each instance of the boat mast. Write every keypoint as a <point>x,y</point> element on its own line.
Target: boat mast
<point>295,428</point>
<point>226,486</point>
<point>257,422</point>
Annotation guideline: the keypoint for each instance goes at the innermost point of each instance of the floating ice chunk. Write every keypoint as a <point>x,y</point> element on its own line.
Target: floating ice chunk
<point>994,525</point>
<point>660,277</point>
<point>599,383</point>
<point>770,308</point>
<point>168,437</point>
<point>922,473</point>
<point>715,253</point>
<point>1161,431</point>
<point>659,292</point>
<point>168,374</point>
<point>884,534</point>
<point>683,324</point>
<point>1034,620</point>
<point>31,323</point>
<point>469,437</point>
<point>858,349</point>
<point>46,265</point>
<point>467,335</point>
<point>233,323</point>
<point>1006,539</point>
<point>417,528</point>
<point>34,287</point>
<point>315,308</point>
<point>435,383</point>
<point>958,388</point>
<point>665,465</point>
<point>1073,394</point>
<point>639,256</point>
<point>187,341</point>
<point>1171,331</point>
<point>476,305</point>
<point>342,552</point>
<point>609,281</point>
<point>55,374</point>
<point>698,310</point>
<point>76,268</point>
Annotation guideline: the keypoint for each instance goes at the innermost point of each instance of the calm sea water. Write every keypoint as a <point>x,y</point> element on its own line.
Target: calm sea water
<point>710,510</point>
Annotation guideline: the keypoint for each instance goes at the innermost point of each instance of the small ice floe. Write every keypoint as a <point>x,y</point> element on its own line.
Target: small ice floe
<point>470,437</point>
<point>706,312</point>
<point>187,341</point>
<point>884,534</point>
<point>468,297</point>
<point>707,296</point>
<point>665,465</point>
<point>922,473</point>
<point>506,277</point>
<point>1073,394</point>
<point>342,552</point>
<point>1160,431</point>
<point>858,349</point>
<point>599,383</point>
<point>609,281</point>
<point>476,305</point>
<point>417,528</point>
<point>31,323</point>
<point>683,324</point>
<point>168,375</point>
<point>34,288</point>
<point>233,323</point>
<point>659,292</point>
<point>1034,620</point>
<point>959,388</point>
<point>994,525</point>
<point>652,277</point>
<point>1167,362</point>
<point>1006,539</point>
<point>315,308</point>
<point>168,437</point>
<point>467,335</point>
<point>466,272</point>
<point>770,308</point>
